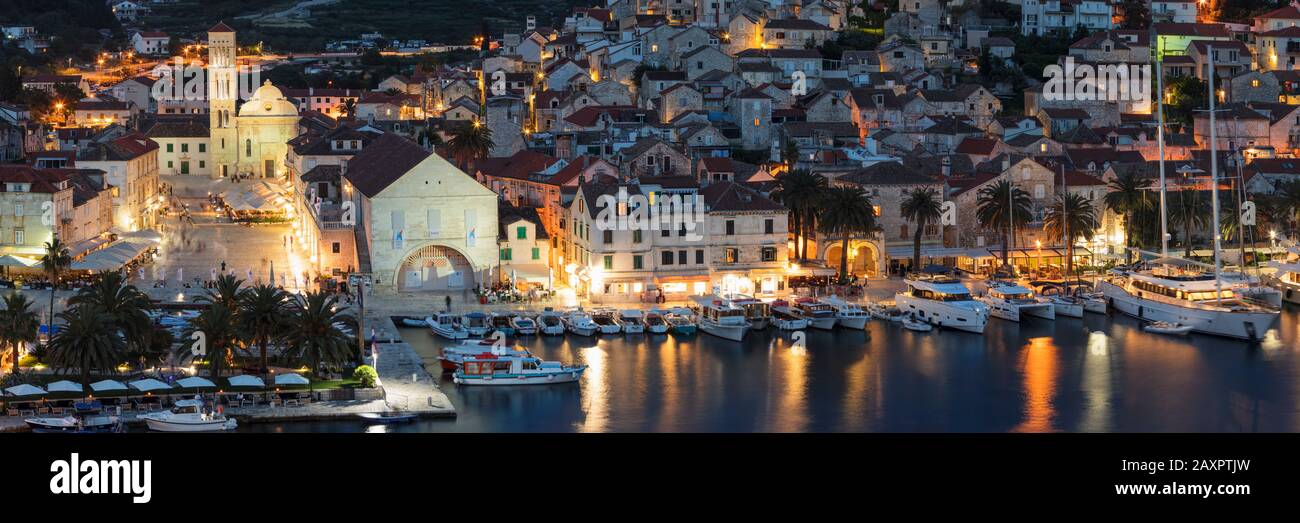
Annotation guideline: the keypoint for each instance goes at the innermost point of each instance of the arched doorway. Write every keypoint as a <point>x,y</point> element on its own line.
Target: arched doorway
<point>435,268</point>
<point>864,258</point>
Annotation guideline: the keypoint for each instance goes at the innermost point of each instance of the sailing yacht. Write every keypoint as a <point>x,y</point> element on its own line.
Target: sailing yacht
<point>1177,291</point>
<point>942,300</point>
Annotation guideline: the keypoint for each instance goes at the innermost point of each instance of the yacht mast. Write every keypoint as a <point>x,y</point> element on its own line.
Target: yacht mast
<point>1214,182</point>
<point>1065,225</point>
<point>1160,144</point>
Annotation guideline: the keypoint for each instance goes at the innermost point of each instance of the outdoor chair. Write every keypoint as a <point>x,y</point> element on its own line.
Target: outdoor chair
<point>11,411</point>
<point>292,403</point>
<point>27,411</point>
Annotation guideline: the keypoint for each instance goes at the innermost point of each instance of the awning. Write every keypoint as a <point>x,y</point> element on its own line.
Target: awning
<point>537,272</point>
<point>905,252</point>
<point>84,246</point>
<point>10,260</point>
<point>112,257</point>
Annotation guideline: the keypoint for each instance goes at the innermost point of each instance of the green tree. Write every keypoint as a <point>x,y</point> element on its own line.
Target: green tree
<point>1071,217</point>
<point>1189,210</point>
<point>311,336</point>
<point>923,207</point>
<point>1005,208</point>
<point>1126,196</point>
<point>216,329</point>
<point>88,341</point>
<point>225,291</point>
<point>800,191</point>
<point>847,212</point>
<point>55,261</point>
<point>469,143</point>
<point>1136,14</point>
<point>262,313</point>
<point>18,324</point>
<point>126,306</point>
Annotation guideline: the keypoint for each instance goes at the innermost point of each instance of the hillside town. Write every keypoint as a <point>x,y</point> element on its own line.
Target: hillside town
<point>811,168</point>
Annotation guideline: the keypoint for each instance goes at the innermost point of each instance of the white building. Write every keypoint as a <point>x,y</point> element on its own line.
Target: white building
<point>1040,17</point>
<point>151,43</point>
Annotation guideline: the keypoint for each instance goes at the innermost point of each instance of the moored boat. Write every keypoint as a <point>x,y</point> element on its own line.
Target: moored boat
<point>847,315</point>
<point>387,418</point>
<point>188,416</point>
<point>721,318</point>
<point>942,300</point>
<point>912,323</point>
<point>681,321</point>
<point>785,319</point>
<point>606,321</point>
<point>86,418</point>
<point>447,325</point>
<point>478,324</point>
<point>453,355</point>
<point>881,311</point>
<point>1164,327</point>
<point>491,369</point>
<point>819,315</point>
<point>579,322</point>
<point>632,321</point>
<point>550,322</point>
<point>1011,301</point>
<point>757,312</point>
<point>501,323</point>
<point>1175,292</point>
<point>655,323</point>
<point>523,325</point>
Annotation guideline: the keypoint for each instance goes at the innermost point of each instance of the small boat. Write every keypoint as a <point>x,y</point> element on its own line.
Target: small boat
<point>501,323</point>
<point>819,315</point>
<point>1164,327</point>
<point>785,320</point>
<point>413,322</point>
<point>85,419</point>
<point>682,321</point>
<point>632,321</point>
<point>655,323</point>
<point>188,416</point>
<point>884,312</point>
<point>913,323</point>
<point>523,325</point>
<point>447,325</point>
<point>387,418</point>
<point>452,356</point>
<point>607,321</point>
<point>478,324</point>
<point>551,322</point>
<point>1011,301</point>
<point>847,315</point>
<point>492,369</point>
<point>721,318</point>
<point>580,323</point>
<point>757,312</point>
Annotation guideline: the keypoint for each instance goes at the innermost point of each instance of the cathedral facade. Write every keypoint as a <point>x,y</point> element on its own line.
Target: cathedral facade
<point>251,138</point>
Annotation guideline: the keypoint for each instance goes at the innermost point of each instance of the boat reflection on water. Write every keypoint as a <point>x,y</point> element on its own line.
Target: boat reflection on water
<point>1038,366</point>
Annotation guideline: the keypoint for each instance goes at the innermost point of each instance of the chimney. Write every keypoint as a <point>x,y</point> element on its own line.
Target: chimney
<point>946,168</point>
<point>1006,162</point>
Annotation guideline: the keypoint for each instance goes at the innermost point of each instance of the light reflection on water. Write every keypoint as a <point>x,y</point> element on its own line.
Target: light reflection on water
<point>1096,374</point>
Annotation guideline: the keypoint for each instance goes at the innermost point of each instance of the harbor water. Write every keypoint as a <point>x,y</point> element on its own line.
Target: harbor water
<point>1096,374</point>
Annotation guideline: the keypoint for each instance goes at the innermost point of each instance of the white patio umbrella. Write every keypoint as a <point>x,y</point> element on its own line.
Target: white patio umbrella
<point>195,382</point>
<point>291,379</point>
<point>148,385</point>
<point>244,380</point>
<point>64,386</point>
<point>107,385</point>
<point>24,390</point>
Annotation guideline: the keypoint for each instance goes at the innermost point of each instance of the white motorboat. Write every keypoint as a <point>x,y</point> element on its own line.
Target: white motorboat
<point>478,324</point>
<point>1187,297</point>
<point>1286,280</point>
<point>786,319</point>
<point>757,312</point>
<point>523,325</point>
<point>819,315</point>
<point>580,323</point>
<point>1010,300</point>
<point>632,321</point>
<point>721,318</point>
<point>942,300</point>
<point>912,323</point>
<point>501,322</point>
<point>511,369</point>
<point>1164,327</point>
<point>1063,302</point>
<point>551,323</point>
<point>655,323</point>
<point>607,321</point>
<point>188,416</point>
<point>881,311</point>
<point>85,419</point>
<point>681,320</point>
<point>452,356</point>
<point>447,325</point>
<point>847,315</point>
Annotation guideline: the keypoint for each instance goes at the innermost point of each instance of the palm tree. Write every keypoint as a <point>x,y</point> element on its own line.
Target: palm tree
<point>18,324</point>
<point>311,335</point>
<point>1004,207</point>
<point>1190,211</point>
<point>1071,217</point>
<point>225,291</point>
<point>922,206</point>
<point>262,312</point>
<point>216,327</point>
<point>800,191</point>
<point>469,143</point>
<point>87,341</point>
<point>54,262</point>
<point>125,304</point>
<point>847,212</point>
<point>158,343</point>
<point>350,108</point>
<point>1126,196</point>
<point>1288,194</point>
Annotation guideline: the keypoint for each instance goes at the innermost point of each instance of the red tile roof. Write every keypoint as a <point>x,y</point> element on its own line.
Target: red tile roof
<point>383,162</point>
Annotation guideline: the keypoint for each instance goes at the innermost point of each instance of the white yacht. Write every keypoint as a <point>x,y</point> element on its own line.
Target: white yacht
<point>523,324</point>
<point>514,369</point>
<point>1064,303</point>
<point>550,322</point>
<point>847,315</point>
<point>819,315</point>
<point>943,301</point>
<point>1010,300</point>
<point>188,416</point>
<point>607,321</point>
<point>786,319</point>
<point>655,323</point>
<point>478,324</point>
<point>632,321</point>
<point>1176,295</point>
<point>580,323</point>
<point>758,312</point>
<point>721,318</point>
<point>447,325</point>
<point>1286,280</point>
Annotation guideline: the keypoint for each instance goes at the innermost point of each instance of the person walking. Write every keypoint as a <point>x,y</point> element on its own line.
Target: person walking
<point>448,303</point>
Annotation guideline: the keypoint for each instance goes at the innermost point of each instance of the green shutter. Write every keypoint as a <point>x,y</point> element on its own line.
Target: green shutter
<point>522,233</point>
<point>537,253</point>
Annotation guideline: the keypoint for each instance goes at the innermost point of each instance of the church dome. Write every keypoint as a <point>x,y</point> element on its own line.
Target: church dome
<point>268,100</point>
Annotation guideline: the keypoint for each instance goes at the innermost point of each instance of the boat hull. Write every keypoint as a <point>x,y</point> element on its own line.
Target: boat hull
<point>943,314</point>
<point>822,323</point>
<point>853,322</point>
<point>1249,326</point>
<point>505,380</point>
<point>1068,309</point>
<point>179,426</point>
<point>726,332</point>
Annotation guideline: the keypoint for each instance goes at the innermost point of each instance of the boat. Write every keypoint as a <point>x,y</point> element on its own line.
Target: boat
<point>447,325</point>
<point>492,369</point>
<point>785,319</point>
<point>1286,280</point>
<point>452,356</point>
<point>941,300</point>
<point>847,315</point>
<point>188,416</point>
<point>757,312</point>
<point>500,322</point>
<point>579,322</point>
<point>607,321</point>
<point>721,318</point>
<point>1094,302</point>
<point>1172,291</point>
<point>523,325</point>
<point>655,323</point>
<point>1063,302</point>
<point>550,322</point>
<point>881,311</point>
<point>413,322</point>
<point>632,321</point>
<point>479,324</point>
<point>1164,327</point>
<point>681,321</point>
<point>912,323</point>
<point>819,315</point>
<point>1009,301</point>
<point>387,418</point>
<point>86,418</point>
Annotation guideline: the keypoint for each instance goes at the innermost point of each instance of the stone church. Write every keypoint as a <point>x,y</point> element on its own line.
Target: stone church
<point>248,139</point>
